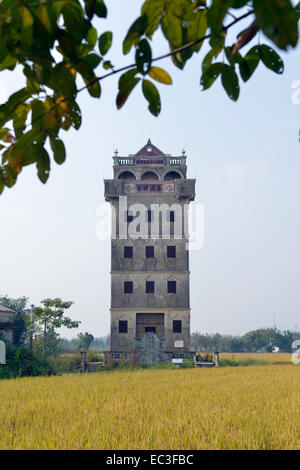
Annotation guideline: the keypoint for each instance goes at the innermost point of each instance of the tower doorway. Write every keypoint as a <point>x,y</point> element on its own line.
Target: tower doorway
<point>150,323</point>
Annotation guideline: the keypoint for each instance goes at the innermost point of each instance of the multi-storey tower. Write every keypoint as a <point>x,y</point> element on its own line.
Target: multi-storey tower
<point>150,304</point>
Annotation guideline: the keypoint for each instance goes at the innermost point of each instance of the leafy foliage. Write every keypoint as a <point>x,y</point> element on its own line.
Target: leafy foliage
<point>51,317</point>
<point>264,339</point>
<point>23,363</point>
<point>84,341</point>
<point>33,118</point>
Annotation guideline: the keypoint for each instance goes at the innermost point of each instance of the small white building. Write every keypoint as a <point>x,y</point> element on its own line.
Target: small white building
<point>7,318</point>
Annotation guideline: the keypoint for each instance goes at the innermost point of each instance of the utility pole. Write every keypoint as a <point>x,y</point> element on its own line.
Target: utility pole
<point>31,328</point>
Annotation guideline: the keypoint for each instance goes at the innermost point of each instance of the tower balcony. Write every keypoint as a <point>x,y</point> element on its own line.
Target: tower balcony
<point>178,188</point>
<point>133,160</point>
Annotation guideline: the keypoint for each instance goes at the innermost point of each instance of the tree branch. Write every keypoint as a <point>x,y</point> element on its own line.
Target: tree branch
<point>127,67</point>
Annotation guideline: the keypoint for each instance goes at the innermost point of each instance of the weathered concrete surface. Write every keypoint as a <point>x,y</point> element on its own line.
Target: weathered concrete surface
<point>7,318</point>
<point>151,178</point>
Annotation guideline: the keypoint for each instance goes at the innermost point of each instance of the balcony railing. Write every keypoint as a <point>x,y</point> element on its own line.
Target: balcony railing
<point>168,161</point>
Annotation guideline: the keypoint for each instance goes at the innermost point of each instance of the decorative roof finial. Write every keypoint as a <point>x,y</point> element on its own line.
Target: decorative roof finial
<point>182,152</point>
<point>149,141</point>
<point>116,152</point>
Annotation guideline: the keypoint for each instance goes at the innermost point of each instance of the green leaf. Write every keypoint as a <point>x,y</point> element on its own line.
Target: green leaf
<point>38,118</point>
<point>271,59</point>
<point>31,154</point>
<point>210,75</point>
<point>249,64</point>
<point>43,165</point>
<point>154,11</point>
<point>230,81</point>
<point>92,61</point>
<point>20,116</point>
<point>58,149</point>
<point>278,20</point>
<point>160,75</point>
<point>44,19</point>
<point>152,96</point>
<point>92,36</point>
<point>7,109</point>
<point>213,53</point>
<point>126,77</point>
<point>46,25</point>
<point>197,29</point>
<point>105,42</point>
<point>143,56</point>
<point>8,175</point>
<point>96,7</point>
<point>27,23</point>
<point>217,13</point>
<point>126,85</point>
<point>63,81</point>
<point>107,65</point>
<point>134,33</point>
<point>74,113</point>
<point>66,43</point>
<point>233,59</point>
<point>74,21</point>
<point>94,89</point>
<point>238,3</point>
<point>3,132</point>
<point>26,140</point>
<point>101,10</point>
<point>171,27</point>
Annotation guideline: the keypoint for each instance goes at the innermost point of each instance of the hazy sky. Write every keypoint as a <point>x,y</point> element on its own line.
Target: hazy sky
<point>245,157</point>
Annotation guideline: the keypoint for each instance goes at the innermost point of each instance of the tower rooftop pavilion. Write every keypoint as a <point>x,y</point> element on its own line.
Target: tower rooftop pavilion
<point>150,171</point>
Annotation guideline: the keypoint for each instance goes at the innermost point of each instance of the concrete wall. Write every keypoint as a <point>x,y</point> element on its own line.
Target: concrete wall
<point>7,326</point>
<point>139,269</point>
<point>126,341</point>
<point>160,298</point>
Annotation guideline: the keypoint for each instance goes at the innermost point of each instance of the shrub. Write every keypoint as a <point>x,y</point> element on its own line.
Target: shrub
<point>23,363</point>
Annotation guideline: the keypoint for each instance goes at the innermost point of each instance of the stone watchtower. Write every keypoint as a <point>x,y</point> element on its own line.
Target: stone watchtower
<point>150,302</point>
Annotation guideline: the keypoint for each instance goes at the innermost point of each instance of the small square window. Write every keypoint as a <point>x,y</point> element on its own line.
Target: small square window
<point>176,326</point>
<point>171,251</point>
<point>171,287</point>
<point>128,287</point>
<point>149,251</point>
<point>149,287</point>
<point>123,326</point>
<point>128,252</point>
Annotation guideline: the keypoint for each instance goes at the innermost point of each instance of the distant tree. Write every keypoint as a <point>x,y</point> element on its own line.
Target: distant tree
<point>285,340</point>
<point>238,345</point>
<point>263,339</point>
<point>21,323</point>
<point>84,340</point>
<point>51,316</point>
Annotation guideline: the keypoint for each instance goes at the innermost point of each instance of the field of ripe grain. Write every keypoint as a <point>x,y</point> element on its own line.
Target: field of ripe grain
<point>221,408</point>
<point>257,358</point>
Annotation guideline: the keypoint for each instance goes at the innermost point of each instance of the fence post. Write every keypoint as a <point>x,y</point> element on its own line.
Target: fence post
<point>216,358</point>
<point>83,361</point>
<point>2,353</point>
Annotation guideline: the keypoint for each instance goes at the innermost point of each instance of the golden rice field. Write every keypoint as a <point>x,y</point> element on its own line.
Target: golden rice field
<point>223,408</point>
<point>272,358</point>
